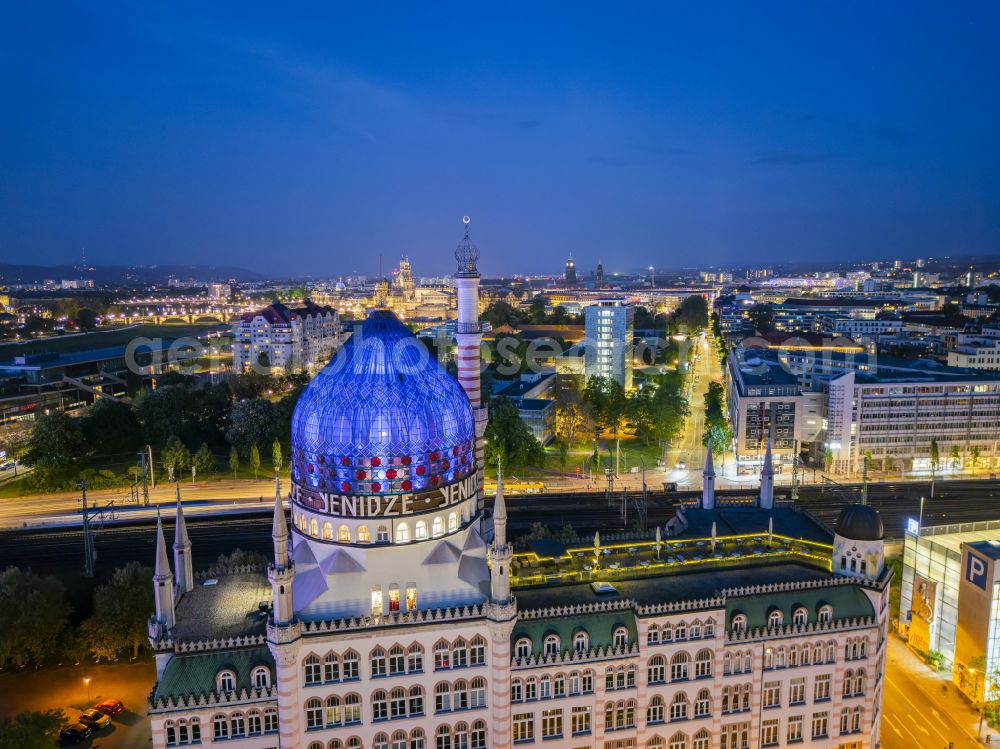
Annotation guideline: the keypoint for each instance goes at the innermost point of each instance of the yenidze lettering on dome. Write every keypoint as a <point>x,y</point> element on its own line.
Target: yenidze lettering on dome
<point>379,505</point>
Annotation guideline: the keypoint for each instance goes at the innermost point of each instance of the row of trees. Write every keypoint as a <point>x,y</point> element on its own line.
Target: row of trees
<point>716,423</point>
<point>189,423</point>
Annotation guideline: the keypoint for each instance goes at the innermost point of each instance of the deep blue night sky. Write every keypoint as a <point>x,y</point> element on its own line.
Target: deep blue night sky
<point>305,139</point>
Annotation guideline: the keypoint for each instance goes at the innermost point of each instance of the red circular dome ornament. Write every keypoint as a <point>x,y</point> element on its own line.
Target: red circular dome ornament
<point>407,485</point>
<point>376,486</point>
<point>435,480</point>
<point>310,467</point>
<point>454,451</point>
<point>345,461</point>
<point>421,470</point>
<point>391,473</point>
<point>376,461</point>
<point>406,460</point>
<point>445,465</point>
<point>346,486</point>
<point>361,475</point>
<point>433,455</point>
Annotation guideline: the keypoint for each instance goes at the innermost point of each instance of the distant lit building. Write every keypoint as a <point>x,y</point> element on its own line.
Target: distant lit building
<point>608,350</point>
<point>286,338</point>
<point>570,272</point>
<point>219,291</point>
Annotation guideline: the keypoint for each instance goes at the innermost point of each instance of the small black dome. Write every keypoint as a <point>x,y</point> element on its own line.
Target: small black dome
<point>860,523</point>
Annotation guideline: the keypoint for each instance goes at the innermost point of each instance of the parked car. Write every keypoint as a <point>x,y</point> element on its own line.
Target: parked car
<point>96,719</point>
<point>110,707</point>
<point>75,733</point>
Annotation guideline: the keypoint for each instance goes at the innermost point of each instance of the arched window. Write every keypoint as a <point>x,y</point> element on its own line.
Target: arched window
<point>254,725</point>
<point>442,697</point>
<point>679,667</point>
<point>667,632</point>
<point>656,742</point>
<point>437,527</point>
<point>334,711</point>
<point>679,707</point>
<point>226,681</point>
<point>581,642</point>
<point>328,531</point>
<point>477,692</point>
<point>382,534</point>
<point>710,628</point>
<point>415,658</point>
<point>350,663</point>
<point>344,533</point>
<point>397,703</point>
<point>478,736</point>
<point>678,741</point>
<point>261,677</point>
<point>417,738</point>
<point>314,527</point>
<point>380,705</point>
<point>739,623</point>
<point>774,619</point>
<point>701,740</point>
<point>477,651</point>
<point>310,667</point>
<point>460,695</point>
<point>522,648</point>
<point>703,704</point>
<point>376,600</point>
<point>825,615</point>
<point>620,638</point>
<point>550,646</point>
<point>352,708</point>
<point>654,711</point>
<point>516,690</point>
<point>380,741</point>
<point>399,740</point>
<point>378,661</point>
<point>653,634</point>
<point>420,530</point>
<point>354,742</point>
<point>314,713</point>
<point>452,522</point>
<point>416,697</point>
<point>680,631</point>
<point>331,667</point>
<point>656,672</point>
<point>460,737</point>
<point>801,616</point>
<point>442,737</point>
<point>703,664</point>
<point>402,533</point>
<point>363,535</point>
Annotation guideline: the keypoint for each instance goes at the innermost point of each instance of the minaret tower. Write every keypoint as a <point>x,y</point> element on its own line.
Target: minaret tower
<point>708,480</point>
<point>163,588</point>
<point>767,479</point>
<point>501,615</point>
<point>283,632</point>
<point>469,336</point>
<point>182,551</point>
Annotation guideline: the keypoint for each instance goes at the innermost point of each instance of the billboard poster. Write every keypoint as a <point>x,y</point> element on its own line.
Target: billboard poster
<point>922,612</point>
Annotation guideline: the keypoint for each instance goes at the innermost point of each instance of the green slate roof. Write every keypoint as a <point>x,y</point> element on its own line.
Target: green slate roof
<point>598,626</point>
<point>195,674</point>
<point>848,602</point>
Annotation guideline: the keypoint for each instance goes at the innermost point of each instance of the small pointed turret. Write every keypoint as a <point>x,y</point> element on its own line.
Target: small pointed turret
<point>501,553</point>
<point>708,480</point>
<point>500,514</point>
<point>279,528</point>
<point>182,550</point>
<point>767,479</point>
<point>281,572</point>
<point>163,582</point>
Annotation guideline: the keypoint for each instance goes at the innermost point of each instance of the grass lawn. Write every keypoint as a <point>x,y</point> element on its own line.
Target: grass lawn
<point>633,452</point>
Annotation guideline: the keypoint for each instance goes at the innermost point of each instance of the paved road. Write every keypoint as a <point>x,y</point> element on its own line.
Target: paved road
<point>704,368</point>
<point>921,709</point>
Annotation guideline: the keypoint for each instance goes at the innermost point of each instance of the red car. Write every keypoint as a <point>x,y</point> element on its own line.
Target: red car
<point>110,707</point>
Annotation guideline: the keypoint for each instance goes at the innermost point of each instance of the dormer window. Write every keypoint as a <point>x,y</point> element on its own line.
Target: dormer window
<point>226,681</point>
<point>551,645</point>
<point>261,677</point>
<point>825,614</point>
<point>620,638</point>
<point>774,619</point>
<point>581,642</point>
<point>522,648</point>
<point>800,617</point>
<point>739,623</point>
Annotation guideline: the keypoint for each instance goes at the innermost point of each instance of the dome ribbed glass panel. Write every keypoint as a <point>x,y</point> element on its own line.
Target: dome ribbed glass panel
<point>382,417</point>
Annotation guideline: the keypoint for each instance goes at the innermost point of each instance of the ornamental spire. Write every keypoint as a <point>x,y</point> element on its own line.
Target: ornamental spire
<point>162,569</point>
<point>499,513</point>
<point>467,253</point>
<point>279,528</point>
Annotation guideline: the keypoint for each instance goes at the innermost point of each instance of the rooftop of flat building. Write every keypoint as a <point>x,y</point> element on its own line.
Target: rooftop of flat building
<point>951,537</point>
<point>230,605</point>
<point>744,538</point>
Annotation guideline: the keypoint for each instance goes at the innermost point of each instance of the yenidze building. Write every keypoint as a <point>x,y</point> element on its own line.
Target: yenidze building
<point>397,614</point>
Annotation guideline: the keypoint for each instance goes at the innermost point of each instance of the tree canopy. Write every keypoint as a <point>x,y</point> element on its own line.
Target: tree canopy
<point>31,730</point>
<point>509,441</point>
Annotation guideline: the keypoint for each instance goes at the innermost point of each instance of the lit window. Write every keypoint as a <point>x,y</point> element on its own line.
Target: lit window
<point>411,597</point>
<point>363,536</point>
<point>344,534</point>
<point>402,533</point>
<point>393,597</point>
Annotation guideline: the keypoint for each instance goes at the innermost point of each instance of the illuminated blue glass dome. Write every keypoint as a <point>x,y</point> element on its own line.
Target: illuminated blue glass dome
<point>382,417</point>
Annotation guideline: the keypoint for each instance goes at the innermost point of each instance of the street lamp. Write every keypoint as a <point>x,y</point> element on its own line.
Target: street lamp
<point>86,681</point>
